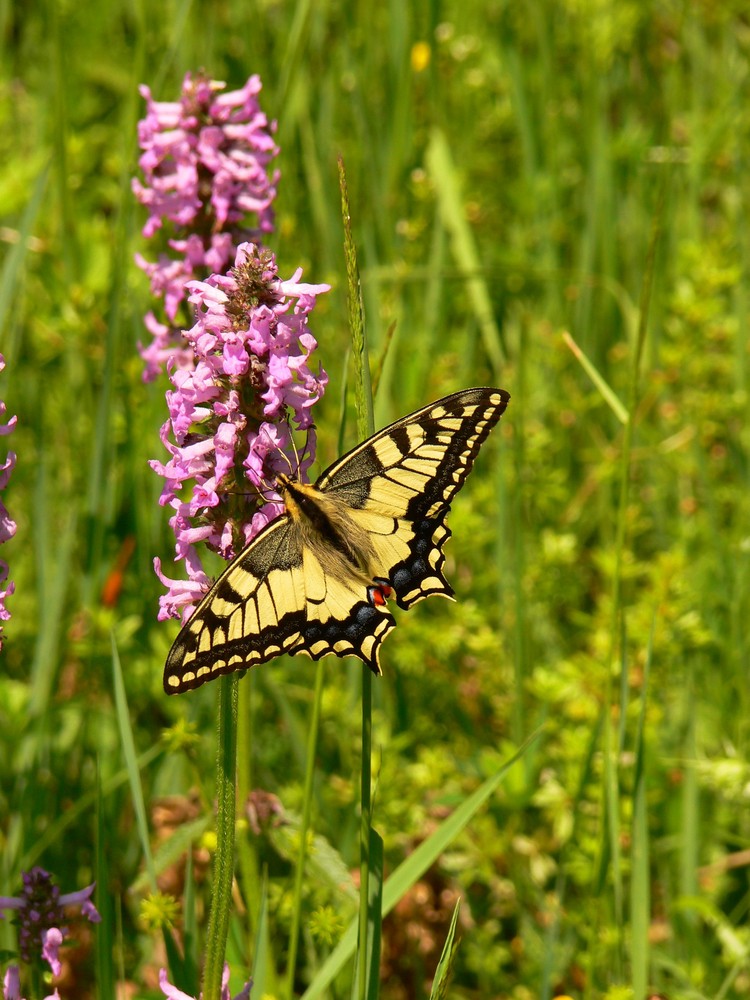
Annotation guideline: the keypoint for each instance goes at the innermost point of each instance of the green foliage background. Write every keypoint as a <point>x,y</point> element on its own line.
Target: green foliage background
<point>508,167</point>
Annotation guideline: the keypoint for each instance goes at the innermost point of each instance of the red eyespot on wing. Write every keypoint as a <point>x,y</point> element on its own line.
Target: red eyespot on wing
<point>379,594</point>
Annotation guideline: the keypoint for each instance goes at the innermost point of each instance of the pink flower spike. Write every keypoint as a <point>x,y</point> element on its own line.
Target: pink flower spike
<point>41,916</point>
<point>229,432</point>
<point>206,182</point>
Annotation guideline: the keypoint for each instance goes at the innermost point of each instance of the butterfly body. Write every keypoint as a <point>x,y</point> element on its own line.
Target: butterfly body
<point>317,579</point>
<point>325,523</point>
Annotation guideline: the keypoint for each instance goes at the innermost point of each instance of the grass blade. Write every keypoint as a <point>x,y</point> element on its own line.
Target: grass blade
<point>640,888</point>
<point>55,830</point>
<point>375,906</point>
<point>131,764</point>
<point>607,394</point>
<point>103,939</point>
<point>304,826</point>
<point>412,869</point>
<point>439,989</point>
<point>264,970</point>
<point>443,172</point>
<point>173,848</point>
<point>190,926</point>
<point>9,276</point>
<point>54,570</point>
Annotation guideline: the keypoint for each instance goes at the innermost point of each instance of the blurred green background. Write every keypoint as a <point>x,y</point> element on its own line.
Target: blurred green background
<point>516,172</point>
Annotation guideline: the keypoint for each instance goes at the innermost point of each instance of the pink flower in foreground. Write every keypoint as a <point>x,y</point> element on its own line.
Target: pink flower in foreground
<point>174,994</point>
<point>41,922</point>
<point>12,985</point>
<point>231,414</point>
<point>7,525</point>
<point>205,165</point>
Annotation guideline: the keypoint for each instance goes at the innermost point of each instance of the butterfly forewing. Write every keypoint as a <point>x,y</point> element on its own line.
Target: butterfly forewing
<point>237,622</point>
<point>292,590</point>
<point>401,481</point>
<point>422,459</point>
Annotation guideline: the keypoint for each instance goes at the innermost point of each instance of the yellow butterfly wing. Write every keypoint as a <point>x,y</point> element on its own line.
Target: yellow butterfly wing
<point>315,580</point>
<point>399,485</point>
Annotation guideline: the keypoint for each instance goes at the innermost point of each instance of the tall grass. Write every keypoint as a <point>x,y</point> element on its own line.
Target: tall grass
<point>502,196</point>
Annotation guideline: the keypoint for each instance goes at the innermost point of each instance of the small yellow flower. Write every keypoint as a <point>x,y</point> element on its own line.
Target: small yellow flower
<point>421,54</point>
<point>208,841</point>
<point>183,735</point>
<point>160,910</point>
<point>326,926</point>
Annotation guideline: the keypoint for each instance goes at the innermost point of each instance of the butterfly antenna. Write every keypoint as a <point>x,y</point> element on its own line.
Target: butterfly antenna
<point>266,491</point>
<point>297,459</point>
<point>307,450</point>
<point>264,486</point>
<point>287,459</point>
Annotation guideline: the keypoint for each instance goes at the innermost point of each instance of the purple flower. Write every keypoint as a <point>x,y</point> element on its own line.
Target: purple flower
<point>12,985</point>
<point>231,414</point>
<point>174,994</point>
<point>41,919</point>
<point>205,164</point>
<point>7,525</point>
<point>51,941</point>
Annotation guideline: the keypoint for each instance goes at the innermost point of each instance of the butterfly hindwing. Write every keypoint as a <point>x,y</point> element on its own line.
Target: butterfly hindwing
<point>316,579</point>
<point>342,621</point>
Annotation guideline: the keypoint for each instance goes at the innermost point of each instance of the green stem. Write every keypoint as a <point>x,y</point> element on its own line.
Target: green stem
<point>247,857</point>
<point>366,821</point>
<point>617,631</point>
<point>355,310</point>
<point>312,741</point>
<point>365,427</point>
<point>37,982</point>
<point>218,923</point>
